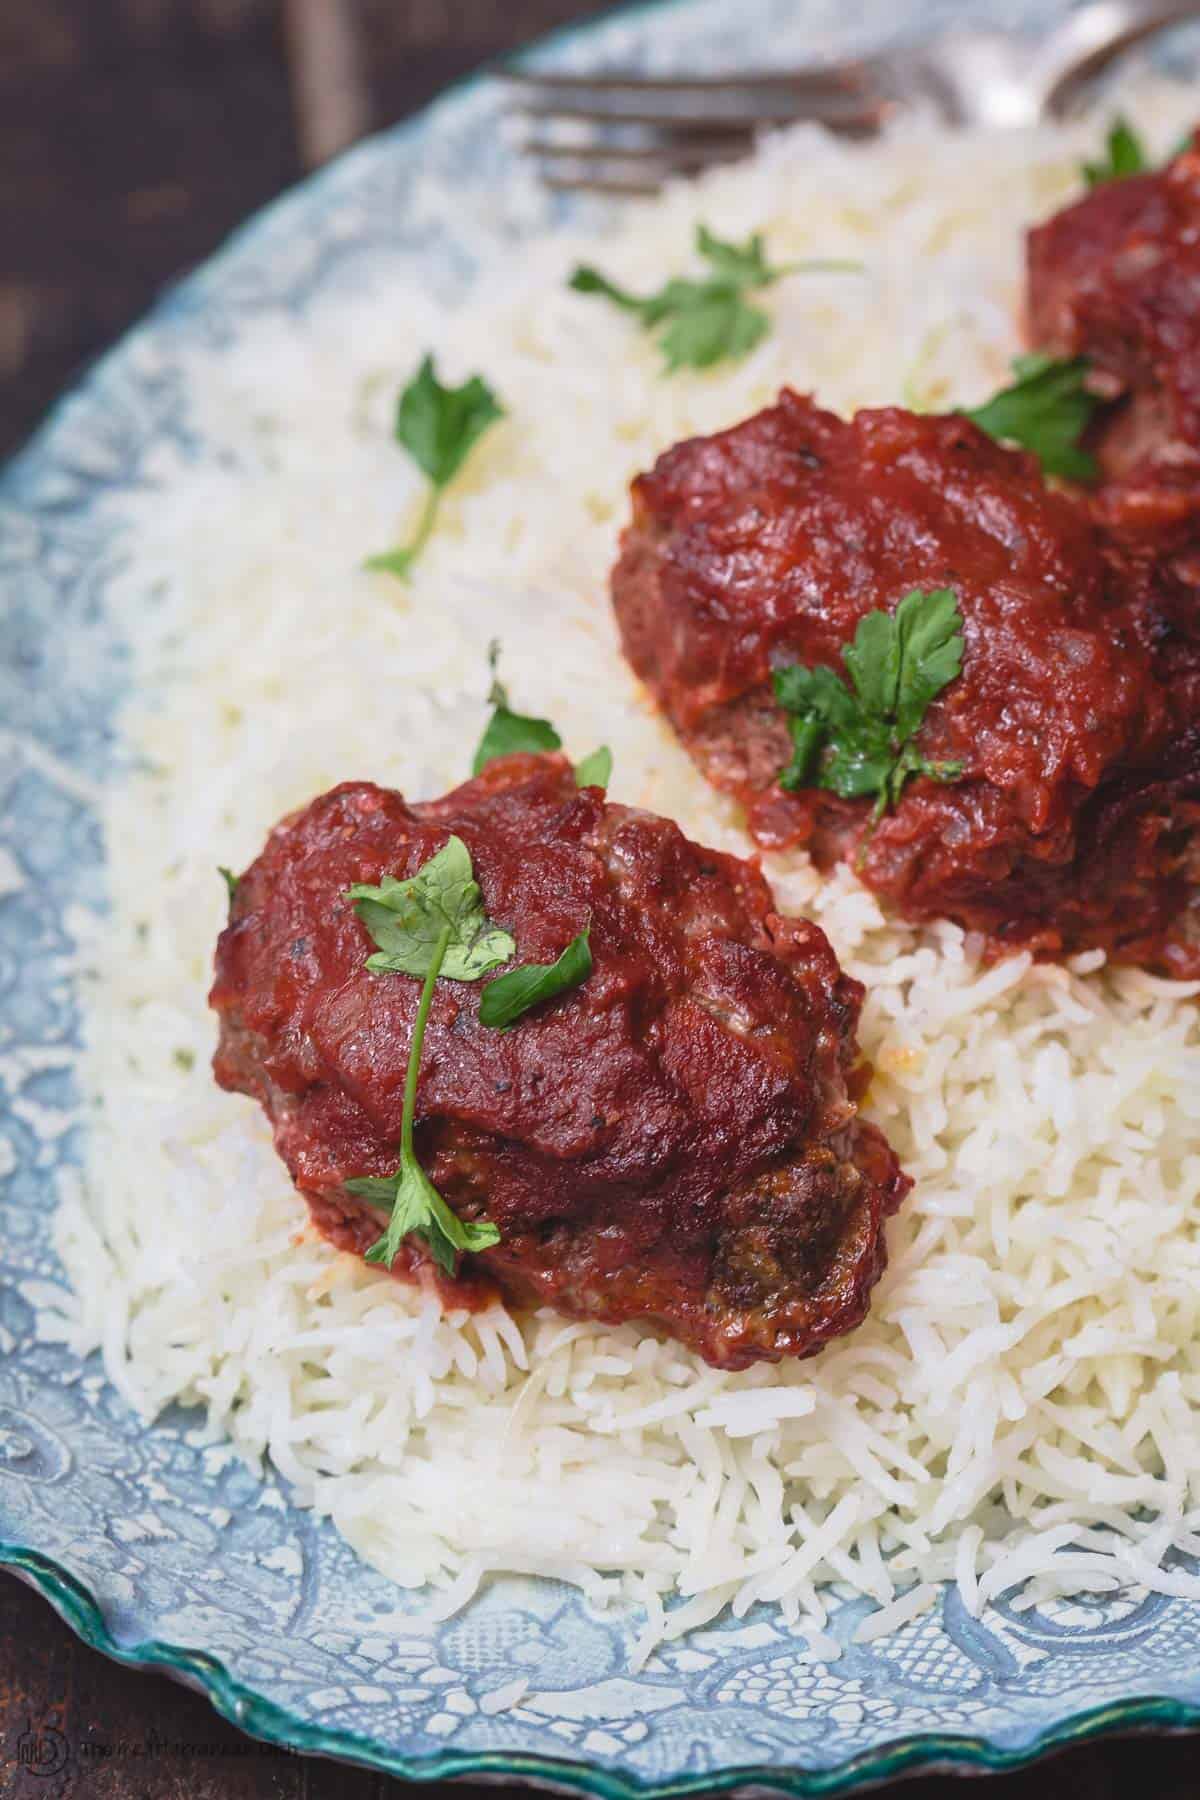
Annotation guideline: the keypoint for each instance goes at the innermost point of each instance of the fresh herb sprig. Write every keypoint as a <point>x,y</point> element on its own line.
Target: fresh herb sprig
<point>438,426</point>
<point>859,741</point>
<point>1124,154</point>
<point>1046,409</point>
<point>511,996</point>
<point>230,880</point>
<point>407,918</point>
<point>711,319</point>
<point>431,925</point>
<point>595,770</point>
<point>509,733</point>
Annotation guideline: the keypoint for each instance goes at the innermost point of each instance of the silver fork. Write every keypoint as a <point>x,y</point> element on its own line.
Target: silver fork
<point>625,134</point>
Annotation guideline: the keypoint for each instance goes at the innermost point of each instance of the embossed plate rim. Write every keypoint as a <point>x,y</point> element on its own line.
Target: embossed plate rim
<point>274,1723</point>
<point>251,1712</point>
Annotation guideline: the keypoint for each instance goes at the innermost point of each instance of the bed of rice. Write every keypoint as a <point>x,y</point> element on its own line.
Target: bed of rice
<point>1022,1407</point>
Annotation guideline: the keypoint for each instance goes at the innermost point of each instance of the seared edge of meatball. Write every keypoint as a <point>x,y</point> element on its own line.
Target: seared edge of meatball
<point>767,543</point>
<point>1114,277</point>
<point>677,1140</point>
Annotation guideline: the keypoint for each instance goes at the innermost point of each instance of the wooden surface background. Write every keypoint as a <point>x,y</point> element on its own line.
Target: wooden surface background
<point>134,134</point>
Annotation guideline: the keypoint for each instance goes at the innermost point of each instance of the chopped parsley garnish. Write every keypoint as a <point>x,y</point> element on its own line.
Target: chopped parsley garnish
<point>510,733</point>
<point>230,880</point>
<point>1047,410</point>
<point>431,925</point>
<point>595,770</point>
<point>407,920</point>
<point>434,925</point>
<point>858,741</point>
<point>706,320</point>
<point>1125,154</point>
<point>511,996</point>
<point>438,426</point>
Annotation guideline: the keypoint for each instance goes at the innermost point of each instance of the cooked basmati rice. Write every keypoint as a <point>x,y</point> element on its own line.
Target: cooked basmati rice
<point>1022,1407</point>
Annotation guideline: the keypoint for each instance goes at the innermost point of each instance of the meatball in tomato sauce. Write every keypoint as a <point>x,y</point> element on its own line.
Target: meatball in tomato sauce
<point>1115,278</point>
<point>677,1139</point>
<point>766,546</point>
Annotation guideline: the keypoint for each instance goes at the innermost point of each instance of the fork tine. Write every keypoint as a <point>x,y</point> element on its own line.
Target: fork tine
<point>859,117</point>
<point>606,171</point>
<point>641,162</point>
<point>839,76</point>
<point>592,184</point>
<point>841,98</point>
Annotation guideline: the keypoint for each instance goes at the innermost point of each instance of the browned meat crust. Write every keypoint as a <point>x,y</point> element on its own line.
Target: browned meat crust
<point>677,1140</point>
<point>766,544</point>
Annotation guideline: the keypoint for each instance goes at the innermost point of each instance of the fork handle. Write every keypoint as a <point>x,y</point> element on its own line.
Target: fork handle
<point>1094,36</point>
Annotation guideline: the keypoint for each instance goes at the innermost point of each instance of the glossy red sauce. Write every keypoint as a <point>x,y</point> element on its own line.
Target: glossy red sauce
<point>1115,277</point>
<point>766,544</point>
<point>676,1140</point>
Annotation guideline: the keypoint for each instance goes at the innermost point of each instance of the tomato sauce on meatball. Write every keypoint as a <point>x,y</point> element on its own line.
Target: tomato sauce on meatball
<point>676,1140</point>
<point>766,545</point>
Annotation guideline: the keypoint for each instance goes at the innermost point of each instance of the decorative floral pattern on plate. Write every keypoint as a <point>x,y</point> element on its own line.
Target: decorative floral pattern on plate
<point>158,1544</point>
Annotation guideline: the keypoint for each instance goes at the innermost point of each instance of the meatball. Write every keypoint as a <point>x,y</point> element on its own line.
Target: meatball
<point>1148,525</point>
<point>676,1140</point>
<point>1116,278</point>
<point>766,545</point>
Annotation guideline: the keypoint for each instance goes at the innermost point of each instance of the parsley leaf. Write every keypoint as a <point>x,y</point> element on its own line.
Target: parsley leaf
<point>431,925</point>
<point>438,426</point>
<point>1047,410</point>
<point>407,919</point>
<point>230,880</point>
<point>739,262</point>
<point>901,661</point>
<point>507,733</point>
<point>510,996</point>
<point>859,741</point>
<point>711,319</point>
<point>419,1210</point>
<point>595,770</point>
<point>1125,154</point>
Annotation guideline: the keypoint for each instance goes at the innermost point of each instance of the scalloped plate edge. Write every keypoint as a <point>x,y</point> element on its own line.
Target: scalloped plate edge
<point>263,1719</point>
<point>273,1724</point>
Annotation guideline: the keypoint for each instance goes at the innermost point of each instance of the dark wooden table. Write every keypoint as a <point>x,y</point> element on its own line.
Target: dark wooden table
<point>133,135</point>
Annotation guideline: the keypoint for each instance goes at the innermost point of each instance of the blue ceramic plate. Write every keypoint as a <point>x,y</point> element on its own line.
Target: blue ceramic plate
<point>150,1553</point>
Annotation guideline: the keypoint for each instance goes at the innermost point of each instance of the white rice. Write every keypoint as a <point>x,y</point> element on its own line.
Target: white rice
<point>1023,1405</point>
